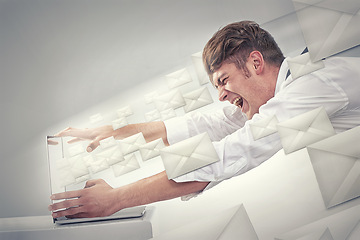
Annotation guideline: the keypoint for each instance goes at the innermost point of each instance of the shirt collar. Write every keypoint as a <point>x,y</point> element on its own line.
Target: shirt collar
<point>281,75</point>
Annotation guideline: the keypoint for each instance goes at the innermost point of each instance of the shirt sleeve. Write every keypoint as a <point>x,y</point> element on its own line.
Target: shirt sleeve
<point>217,125</point>
<point>239,152</point>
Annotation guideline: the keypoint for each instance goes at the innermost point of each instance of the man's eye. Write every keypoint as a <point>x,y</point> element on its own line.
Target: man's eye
<point>223,81</point>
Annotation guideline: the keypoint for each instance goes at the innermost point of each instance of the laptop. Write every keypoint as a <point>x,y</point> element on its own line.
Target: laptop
<point>63,178</point>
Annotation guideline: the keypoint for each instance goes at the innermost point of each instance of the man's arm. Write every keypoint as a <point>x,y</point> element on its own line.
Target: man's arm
<point>99,199</point>
<point>150,130</point>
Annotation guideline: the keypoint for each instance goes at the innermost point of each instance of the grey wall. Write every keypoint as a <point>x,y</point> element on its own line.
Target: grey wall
<point>58,58</point>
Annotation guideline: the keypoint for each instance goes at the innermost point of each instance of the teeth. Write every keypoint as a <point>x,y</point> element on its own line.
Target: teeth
<point>237,101</point>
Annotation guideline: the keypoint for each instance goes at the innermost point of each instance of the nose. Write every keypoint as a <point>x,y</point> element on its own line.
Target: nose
<point>223,94</point>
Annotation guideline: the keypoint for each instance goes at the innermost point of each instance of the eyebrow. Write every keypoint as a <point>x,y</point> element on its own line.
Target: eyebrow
<point>219,79</point>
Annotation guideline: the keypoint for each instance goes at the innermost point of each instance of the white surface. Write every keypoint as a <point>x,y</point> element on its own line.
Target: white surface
<point>42,227</point>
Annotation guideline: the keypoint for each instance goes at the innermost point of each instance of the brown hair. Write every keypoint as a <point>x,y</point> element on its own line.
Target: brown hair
<point>234,43</point>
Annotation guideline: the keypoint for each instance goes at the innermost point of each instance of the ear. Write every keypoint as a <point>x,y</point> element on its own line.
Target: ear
<point>257,61</point>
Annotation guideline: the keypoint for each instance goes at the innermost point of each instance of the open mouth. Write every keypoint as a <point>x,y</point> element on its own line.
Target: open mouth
<point>238,102</point>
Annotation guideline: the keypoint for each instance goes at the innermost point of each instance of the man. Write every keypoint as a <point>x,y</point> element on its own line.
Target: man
<point>248,69</point>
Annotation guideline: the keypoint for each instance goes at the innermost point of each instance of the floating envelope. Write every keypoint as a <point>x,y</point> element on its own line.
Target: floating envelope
<point>197,99</point>
<point>167,114</point>
<point>98,165</point>
<point>264,127</point>
<point>329,26</point>
<point>77,166</point>
<point>82,179</point>
<point>305,129</point>
<point>178,78</point>
<point>96,118</point>
<point>124,112</point>
<point>316,235</point>
<point>149,97</point>
<point>172,99</point>
<point>119,123</point>
<point>107,142</point>
<point>336,163</point>
<point>233,223</point>
<point>88,159</point>
<point>112,155</point>
<point>132,143</point>
<point>302,65</point>
<point>62,163</point>
<point>188,155</point>
<point>76,149</point>
<point>199,68</point>
<point>151,149</point>
<point>355,233</point>
<point>65,177</point>
<point>128,165</point>
<point>152,115</point>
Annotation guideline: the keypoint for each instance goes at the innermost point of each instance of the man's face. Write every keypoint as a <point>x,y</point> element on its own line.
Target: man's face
<point>246,92</point>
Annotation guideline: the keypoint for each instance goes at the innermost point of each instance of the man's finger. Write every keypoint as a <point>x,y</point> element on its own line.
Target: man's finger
<point>68,212</point>
<point>74,140</point>
<point>93,145</point>
<point>66,195</point>
<point>92,182</point>
<point>65,204</point>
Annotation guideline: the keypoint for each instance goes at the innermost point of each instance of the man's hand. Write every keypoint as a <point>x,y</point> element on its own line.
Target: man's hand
<point>95,135</point>
<point>97,199</point>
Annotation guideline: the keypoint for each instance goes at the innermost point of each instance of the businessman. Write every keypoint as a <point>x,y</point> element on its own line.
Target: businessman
<point>248,69</point>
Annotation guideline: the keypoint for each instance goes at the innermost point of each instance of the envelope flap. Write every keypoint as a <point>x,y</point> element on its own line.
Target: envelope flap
<point>304,121</point>
<point>184,148</point>
<point>194,94</point>
<point>350,7</point>
<point>205,149</point>
<point>265,122</point>
<point>343,143</point>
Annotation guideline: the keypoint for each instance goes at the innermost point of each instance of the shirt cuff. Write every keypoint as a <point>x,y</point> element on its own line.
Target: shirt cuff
<point>176,130</point>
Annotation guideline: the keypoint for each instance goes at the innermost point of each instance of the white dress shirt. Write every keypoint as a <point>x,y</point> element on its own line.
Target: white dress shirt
<point>335,87</point>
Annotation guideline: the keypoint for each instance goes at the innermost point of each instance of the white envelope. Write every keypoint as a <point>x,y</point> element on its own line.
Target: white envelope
<point>152,115</point>
<point>128,165</point>
<point>329,26</point>
<point>132,143</point>
<point>336,163</point>
<point>83,178</point>
<point>199,68</point>
<point>149,97</point>
<point>355,233</point>
<point>342,225</point>
<point>178,78</point>
<point>62,163</point>
<point>65,177</point>
<point>264,127</point>
<point>188,155</point>
<point>124,112</point>
<point>107,142</point>
<point>302,65</point>
<point>151,149</point>
<point>112,155</point>
<point>167,114</point>
<point>320,234</point>
<point>75,149</point>
<point>197,99</point>
<point>96,118</point>
<point>172,99</point>
<point>88,159</point>
<point>119,123</point>
<point>77,166</point>
<point>305,129</point>
<point>232,223</point>
<point>98,165</point>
